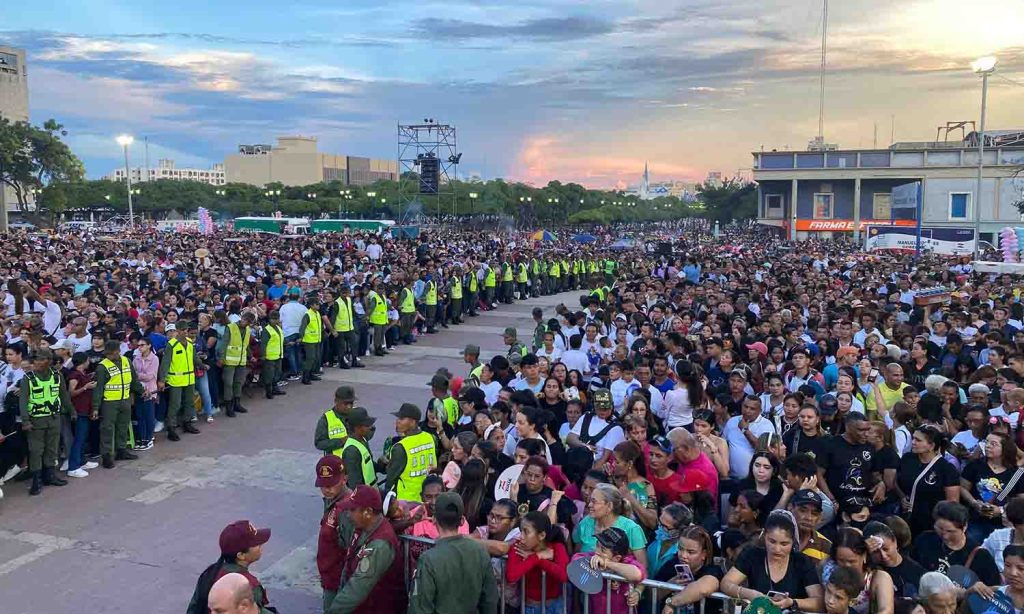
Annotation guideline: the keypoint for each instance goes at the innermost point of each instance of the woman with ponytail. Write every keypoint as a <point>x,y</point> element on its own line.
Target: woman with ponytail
<point>925,478</point>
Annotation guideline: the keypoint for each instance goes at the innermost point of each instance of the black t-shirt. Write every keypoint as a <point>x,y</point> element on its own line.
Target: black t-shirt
<point>978,470</point>
<point>915,377</point>
<point>933,555</point>
<point>667,573</point>
<point>798,442</point>
<point>931,489</point>
<point>800,574</point>
<point>906,577</point>
<point>886,458</point>
<point>848,467</point>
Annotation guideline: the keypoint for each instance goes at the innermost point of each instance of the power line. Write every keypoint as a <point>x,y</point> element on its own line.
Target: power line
<point>1009,80</point>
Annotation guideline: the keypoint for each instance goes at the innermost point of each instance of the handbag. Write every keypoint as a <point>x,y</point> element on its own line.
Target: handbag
<point>913,490</point>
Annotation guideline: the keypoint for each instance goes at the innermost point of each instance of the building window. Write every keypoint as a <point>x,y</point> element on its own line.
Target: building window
<point>959,205</point>
<point>822,206</point>
<point>773,206</point>
<point>881,205</point>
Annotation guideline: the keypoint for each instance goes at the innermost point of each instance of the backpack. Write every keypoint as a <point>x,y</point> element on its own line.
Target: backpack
<point>588,439</point>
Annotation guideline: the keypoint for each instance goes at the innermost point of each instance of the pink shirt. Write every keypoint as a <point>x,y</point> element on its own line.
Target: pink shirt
<point>146,368</point>
<point>703,465</point>
<point>619,592</point>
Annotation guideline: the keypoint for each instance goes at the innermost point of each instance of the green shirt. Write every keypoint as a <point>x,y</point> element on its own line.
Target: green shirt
<point>586,536</point>
<point>454,577</point>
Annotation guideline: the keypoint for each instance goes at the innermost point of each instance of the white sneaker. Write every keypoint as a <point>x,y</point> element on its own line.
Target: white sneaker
<point>78,473</point>
<point>159,427</point>
<point>209,419</point>
<point>11,474</point>
<point>64,465</point>
<point>90,465</point>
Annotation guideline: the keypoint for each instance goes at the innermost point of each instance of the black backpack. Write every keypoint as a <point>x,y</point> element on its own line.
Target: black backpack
<point>586,438</point>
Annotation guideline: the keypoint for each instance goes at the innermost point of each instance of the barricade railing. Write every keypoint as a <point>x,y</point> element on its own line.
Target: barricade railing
<point>650,586</point>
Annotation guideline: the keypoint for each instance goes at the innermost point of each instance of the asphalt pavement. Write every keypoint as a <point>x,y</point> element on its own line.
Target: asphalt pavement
<point>135,538</point>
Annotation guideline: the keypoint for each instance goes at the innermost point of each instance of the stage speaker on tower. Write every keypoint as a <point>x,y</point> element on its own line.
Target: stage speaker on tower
<point>429,174</point>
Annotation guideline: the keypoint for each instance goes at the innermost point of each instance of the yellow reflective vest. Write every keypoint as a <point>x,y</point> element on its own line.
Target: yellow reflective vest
<point>365,460</point>
<point>335,429</point>
<point>523,275</point>
<point>237,351</point>
<point>490,281</point>
<point>275,343</point>
<point>182,372</point>
<point>314,327</point>
<point>343,322</point>
<point>430,295</point>
<point>43,395</point>
<point>420,459</point>
<point>379,315</point>
<point>456,287</point>
<point>408,302</point>
<point>120,382</point>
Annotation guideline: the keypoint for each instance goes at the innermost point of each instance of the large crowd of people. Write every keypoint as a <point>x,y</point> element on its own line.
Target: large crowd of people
<point>808,425</point>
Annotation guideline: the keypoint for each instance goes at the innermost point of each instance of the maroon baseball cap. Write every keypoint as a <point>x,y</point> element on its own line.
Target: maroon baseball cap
<point>241,535</point>
<point>329,471</point>
<point>362,497</point>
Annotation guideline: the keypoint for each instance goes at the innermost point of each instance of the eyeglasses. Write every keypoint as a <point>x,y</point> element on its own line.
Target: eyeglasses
<point>497,517</point>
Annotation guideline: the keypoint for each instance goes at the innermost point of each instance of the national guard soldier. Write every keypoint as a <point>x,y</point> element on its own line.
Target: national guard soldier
<point>111,401</point>
<point>490,283</point>
<point>511,339</point>
<point>472,284</point>
<point>455,575</point>
<point>272,350</point>
<point>407,311</point>
<point>43,398</point>
<point>233,357</point>
<point>471,356</point>
<point>412,457</point>
<point>455,292</point>
<point>177,375</point>
<point>377,314</point>
<point>430,299</point>
<point>343,319</point>
<point>522,279</point>
<point>335,526</point>
<point>372,578</point>
<point>355,454</point>
<point>331,428</point>
<point>312,332</point>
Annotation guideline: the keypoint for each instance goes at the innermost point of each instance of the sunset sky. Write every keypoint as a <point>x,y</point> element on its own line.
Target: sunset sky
<point>572,90</point>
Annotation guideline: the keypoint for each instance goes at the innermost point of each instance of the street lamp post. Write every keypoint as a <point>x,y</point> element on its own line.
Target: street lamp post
<point>472,203</point>
<point>124,141</point>
<point>983,66</point>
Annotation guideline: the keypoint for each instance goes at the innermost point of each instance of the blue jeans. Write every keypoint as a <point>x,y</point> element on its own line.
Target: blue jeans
<point>291,354</point>
<point>213,378</point>
<point>203,386</point>
<point>145,411</point>
<point>554,606</point>
<point>77,455</point>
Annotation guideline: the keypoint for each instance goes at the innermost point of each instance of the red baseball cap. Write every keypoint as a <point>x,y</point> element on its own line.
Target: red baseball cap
<point>758,347</point>
<point>241,535</point>
<point>362,497</point>
<point>329,471</point>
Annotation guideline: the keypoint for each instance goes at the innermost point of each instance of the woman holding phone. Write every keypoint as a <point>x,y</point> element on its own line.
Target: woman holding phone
<point>696,571</point>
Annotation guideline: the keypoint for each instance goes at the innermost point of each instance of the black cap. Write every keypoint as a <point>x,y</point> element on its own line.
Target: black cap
<point>806,497</point>
<point>408,410</point>
<point>360,417</point>
<point>828,405</point>
<point>438,381</point>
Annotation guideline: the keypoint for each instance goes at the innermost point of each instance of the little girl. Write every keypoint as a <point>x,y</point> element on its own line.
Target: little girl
<point>540,549</point>
<point>613,555</point>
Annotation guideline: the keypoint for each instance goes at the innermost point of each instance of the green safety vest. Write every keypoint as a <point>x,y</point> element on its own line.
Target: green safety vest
<point>456,287</point>
<point>523,274</point>
<point>182,372</point>
<point>275,343</point>
<point>506,272</point>
<point>609,267</point>
<point>599,293</point>
<point>120,382</point>
<point>553,271</point>
<point>237,350</point>
<point>366,460</point>
<point>451,410</point>
<point>43,395</point>
<point>335,429</point>
<point>535,267</point>
<point>421,458</point>
<point>477,370</point>
<point>313,327</point>
<point>346,315</point>
<point>379,315</point>
<point>472,281</point>
<point>490,281</point>
<point>408,304</point>
<point>430,297</point>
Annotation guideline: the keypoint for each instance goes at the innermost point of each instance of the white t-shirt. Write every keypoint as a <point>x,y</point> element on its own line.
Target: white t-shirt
<point>553,356</point>
<point>607,443</point>
<point>36,307</point>
<point>576,360</point>
<point>740,450</point>
<point>291,317</point>
<point>677,410</point>
<point>373,251</point>
<point>82,344</point>
<point>491,391</point>
<point>620,389</point>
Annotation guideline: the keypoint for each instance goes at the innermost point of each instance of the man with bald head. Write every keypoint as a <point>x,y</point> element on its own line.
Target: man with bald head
<point>232,594</point>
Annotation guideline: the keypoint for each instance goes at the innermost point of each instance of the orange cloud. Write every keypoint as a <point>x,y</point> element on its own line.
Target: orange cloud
<point>546,158</point>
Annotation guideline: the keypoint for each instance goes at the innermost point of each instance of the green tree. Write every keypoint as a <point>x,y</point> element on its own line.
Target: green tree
<point>729,201</point>
<point>35,156</point>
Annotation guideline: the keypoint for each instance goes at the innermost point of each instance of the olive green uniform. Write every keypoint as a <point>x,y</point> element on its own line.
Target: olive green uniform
<point>271,370</point>
<point>356,587</point>
<point>322,438</point>
<point>44,438</point>
<point>454,577</point>
<point>115,416</point>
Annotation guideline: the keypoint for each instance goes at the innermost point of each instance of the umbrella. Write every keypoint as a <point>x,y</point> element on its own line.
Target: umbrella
<point>584,238</point>
<point>623,244</point>
<point>543,235</point>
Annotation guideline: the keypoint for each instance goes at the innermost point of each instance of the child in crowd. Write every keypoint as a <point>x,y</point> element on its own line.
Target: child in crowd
<point>613,555</point>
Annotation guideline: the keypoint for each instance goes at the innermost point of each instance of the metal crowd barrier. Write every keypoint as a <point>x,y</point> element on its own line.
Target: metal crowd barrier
<point>653,586</point>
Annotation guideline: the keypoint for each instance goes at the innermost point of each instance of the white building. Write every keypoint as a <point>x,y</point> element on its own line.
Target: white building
<point>166,170</point>
<point>13,104</point>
